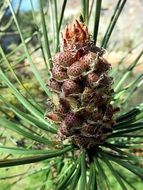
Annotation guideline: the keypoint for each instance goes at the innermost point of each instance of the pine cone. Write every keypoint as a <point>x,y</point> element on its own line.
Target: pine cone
<point>80,78</point>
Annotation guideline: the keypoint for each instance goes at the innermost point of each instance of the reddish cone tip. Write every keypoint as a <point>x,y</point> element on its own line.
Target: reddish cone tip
<point>75,34</point>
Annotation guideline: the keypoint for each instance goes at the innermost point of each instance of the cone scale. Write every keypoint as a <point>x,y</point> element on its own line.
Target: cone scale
<point>81,81</point>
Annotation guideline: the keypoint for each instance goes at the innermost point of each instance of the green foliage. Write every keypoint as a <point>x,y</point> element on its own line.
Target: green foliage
<point>62,166</point>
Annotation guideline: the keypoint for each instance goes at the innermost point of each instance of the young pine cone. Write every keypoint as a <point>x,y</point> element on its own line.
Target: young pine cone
<point>80,79</point>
